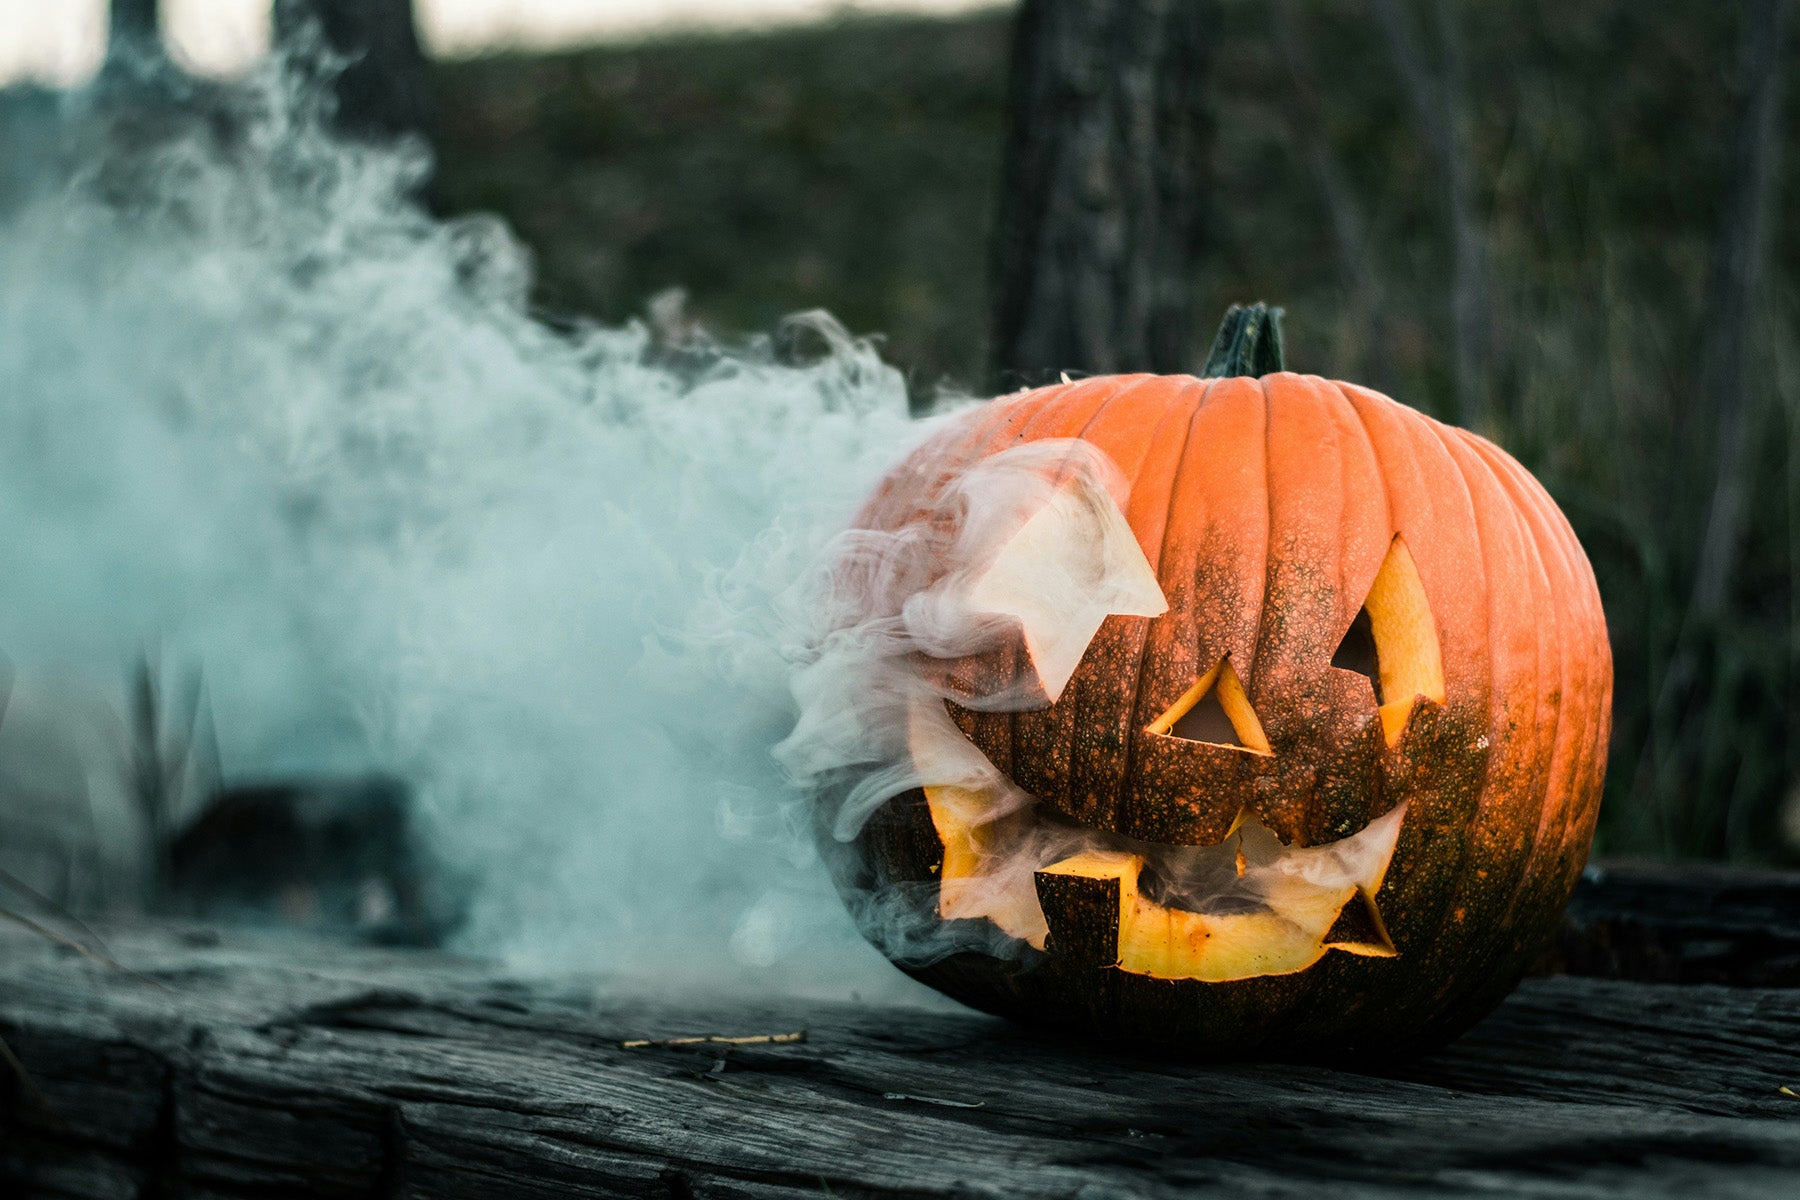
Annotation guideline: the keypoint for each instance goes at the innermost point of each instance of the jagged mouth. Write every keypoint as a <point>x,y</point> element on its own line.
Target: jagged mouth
<point>1248,906</point>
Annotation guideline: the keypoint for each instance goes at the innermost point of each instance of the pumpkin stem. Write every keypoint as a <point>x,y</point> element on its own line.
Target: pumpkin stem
<point>1248,343</point>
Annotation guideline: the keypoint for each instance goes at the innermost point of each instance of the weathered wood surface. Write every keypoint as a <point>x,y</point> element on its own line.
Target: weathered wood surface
<point>1683,924</point>
<point>304,1069</point>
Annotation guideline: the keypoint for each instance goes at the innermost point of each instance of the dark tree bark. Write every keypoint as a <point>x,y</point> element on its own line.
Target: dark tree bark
<point>1102,201</point>
<point>383,89</point>
<point>1363,304</point>
<point>134,29</point>
<point>1435,88</point>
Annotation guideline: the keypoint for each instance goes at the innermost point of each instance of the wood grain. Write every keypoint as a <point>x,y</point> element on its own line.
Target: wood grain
<point>297,1068</point>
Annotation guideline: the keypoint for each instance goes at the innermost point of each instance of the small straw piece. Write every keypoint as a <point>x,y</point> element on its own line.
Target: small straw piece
<point>70,943</point>
<point>940,1101</point>
<point>8,879</point>
<point>713,1039</point>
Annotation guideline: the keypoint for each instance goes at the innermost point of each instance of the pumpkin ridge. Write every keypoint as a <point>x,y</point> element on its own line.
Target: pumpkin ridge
<point>1597,649</point>
<point>1099,414</point>
<point>1291,408</point>
<point>1526,881</point>
<point>1361,478</point>
<point>1059,409</point>
<point>1569,750</point>
<point>1066,716</point>
<point>1420,421</point>
<point>1059,413</point>
<point>1387,489</point>
<point>1346,520</point>
<point>1489,794</point>
<point>1121,793</point>
<point>1207,570</point>
<point>990,436</point>
<point>1403,443</point>
<point>1355,421</point>
<point>1360,422</point>
<point>1262,606</point>
<point>1316,987</point>
<point>1105,785</point>
<point>1019,410</point>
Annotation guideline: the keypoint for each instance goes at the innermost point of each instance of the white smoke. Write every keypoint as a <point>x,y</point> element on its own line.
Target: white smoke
<point>984,588</point>
<point>260,413</point>
<point>897,602</point>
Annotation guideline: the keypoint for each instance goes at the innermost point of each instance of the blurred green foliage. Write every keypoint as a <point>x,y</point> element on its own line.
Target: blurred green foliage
<point>854,167</point>
<point>848,167</point>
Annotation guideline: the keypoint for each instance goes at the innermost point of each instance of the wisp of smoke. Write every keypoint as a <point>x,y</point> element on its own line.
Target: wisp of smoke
<point>259,411</point>
<point>984,587</point>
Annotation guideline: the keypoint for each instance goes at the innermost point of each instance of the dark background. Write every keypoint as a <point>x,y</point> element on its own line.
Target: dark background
<point>857,167</point>
<point>1569,226</point>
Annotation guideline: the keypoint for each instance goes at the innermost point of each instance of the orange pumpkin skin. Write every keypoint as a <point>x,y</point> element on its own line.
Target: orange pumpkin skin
<point>1266,507</point>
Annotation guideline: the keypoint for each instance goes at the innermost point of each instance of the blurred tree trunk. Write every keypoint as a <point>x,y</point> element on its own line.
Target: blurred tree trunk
<point>383,91</point>
<point>1344,215</point>
<point>1103,190</point>
<point>1435,88</point>
<point>134,30</point>
<point>1739,256</point>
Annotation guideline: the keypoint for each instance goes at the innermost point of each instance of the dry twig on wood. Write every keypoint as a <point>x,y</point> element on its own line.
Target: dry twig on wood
<point>713,1039</point>
<point>70,943</point>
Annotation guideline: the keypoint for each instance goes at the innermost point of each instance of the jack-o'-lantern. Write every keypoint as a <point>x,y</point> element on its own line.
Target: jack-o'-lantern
<point>1279,731</point>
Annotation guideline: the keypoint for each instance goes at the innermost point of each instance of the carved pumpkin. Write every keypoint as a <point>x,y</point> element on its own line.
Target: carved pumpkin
<point>1290,735</point>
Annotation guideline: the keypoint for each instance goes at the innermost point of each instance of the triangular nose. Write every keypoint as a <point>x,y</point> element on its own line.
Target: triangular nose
<point>1216,710</point>
<point>1207,722</point>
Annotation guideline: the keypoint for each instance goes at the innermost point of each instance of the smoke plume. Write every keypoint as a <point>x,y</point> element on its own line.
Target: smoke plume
<point>262,415</point>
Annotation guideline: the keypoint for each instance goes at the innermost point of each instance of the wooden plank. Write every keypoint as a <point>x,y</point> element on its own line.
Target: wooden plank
<point>1687,923</point>
<point>305,1069</point>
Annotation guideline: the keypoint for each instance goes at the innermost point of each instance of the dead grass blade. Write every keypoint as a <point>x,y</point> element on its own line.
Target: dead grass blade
<point>86,952</point>
<point>62,914</point>
<point>760,1039</point>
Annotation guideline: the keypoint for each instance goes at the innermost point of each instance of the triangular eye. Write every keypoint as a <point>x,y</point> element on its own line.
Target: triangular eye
<point>1394,641</point>
<point>1357,652</point>
<point>1216,710</point>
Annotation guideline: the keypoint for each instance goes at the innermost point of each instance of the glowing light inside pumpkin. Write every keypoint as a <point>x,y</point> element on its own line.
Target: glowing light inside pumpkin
<point>1266,909</point>
<point>1408,661</point>
<point>1248,906</point>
